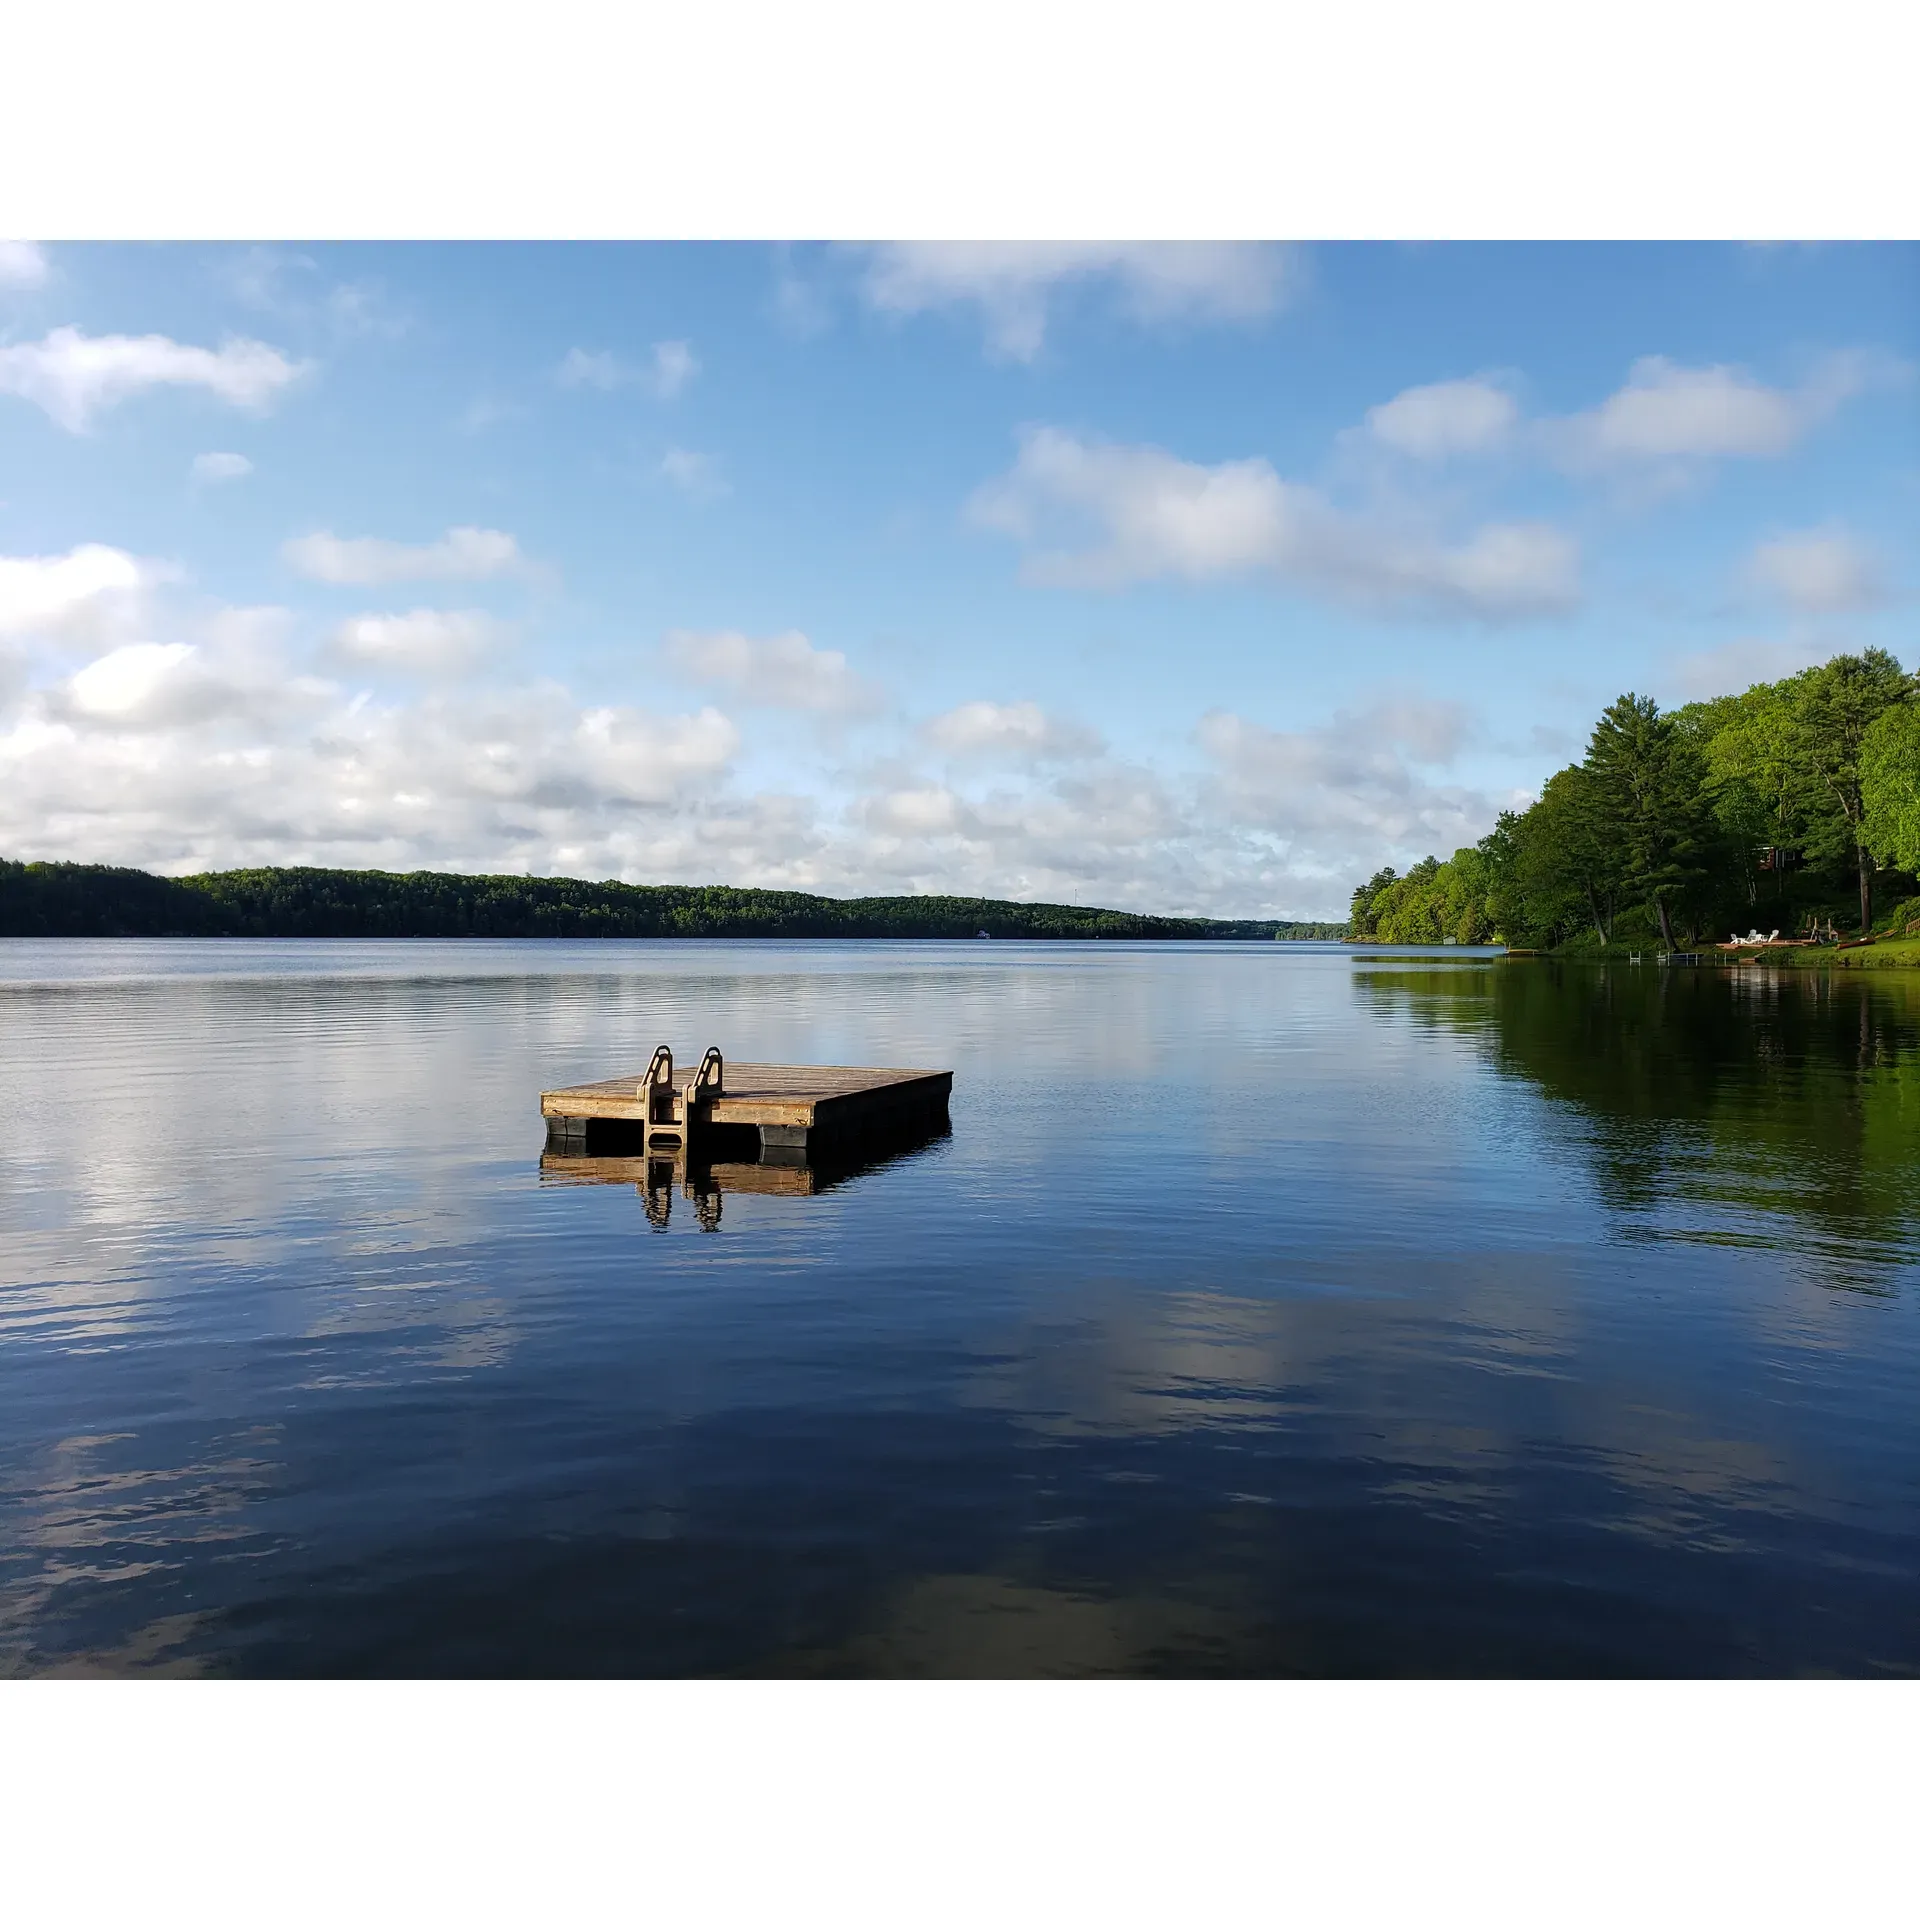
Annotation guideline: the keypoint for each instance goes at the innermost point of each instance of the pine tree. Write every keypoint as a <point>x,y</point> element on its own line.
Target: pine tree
<point>1649,796</point>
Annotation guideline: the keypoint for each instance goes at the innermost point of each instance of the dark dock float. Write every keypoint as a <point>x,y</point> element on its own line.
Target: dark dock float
<point>738,1111</point>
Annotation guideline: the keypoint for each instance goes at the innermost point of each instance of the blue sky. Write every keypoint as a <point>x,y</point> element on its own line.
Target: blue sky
<point>1193,578</point>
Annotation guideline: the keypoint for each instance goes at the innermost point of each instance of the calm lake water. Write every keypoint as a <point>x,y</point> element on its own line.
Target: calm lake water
<point>1266,1311</point>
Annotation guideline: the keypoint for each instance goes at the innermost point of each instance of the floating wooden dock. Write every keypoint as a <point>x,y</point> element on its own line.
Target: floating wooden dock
<point>720,1107</point>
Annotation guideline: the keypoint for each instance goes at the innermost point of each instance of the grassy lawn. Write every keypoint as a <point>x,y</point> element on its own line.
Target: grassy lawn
<point>1903,951</point>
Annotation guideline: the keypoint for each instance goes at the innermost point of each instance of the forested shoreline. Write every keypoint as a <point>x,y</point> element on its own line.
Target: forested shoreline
<point>53,898</point>
<point>1794,805</point>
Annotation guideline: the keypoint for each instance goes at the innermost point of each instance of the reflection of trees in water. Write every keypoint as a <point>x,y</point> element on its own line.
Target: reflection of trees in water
<point>1782,1093</point>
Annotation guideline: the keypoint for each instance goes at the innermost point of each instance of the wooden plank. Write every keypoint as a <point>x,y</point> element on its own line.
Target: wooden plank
<point>760,1095</point>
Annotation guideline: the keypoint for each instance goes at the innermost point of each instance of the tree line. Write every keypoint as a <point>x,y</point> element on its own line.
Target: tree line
<point>58,898</point>
<point>1796,800</point>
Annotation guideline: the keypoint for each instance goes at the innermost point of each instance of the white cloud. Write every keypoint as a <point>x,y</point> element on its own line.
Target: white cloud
<point>462,553</point>
<point>1154,516</point>
<point>629,754</point>
<point>784,671</point>
<point>1668,413</point>
<point>1447,418</point>
<point>191,739</point>
<point>1112,833</point>
<point>921,812</point>
<point>126,679</point>
<point>23,264</point>
<point>428,640</point>
<point>210,752</point>
<point>671,366</point>
<point>209,468</point>
<point>1021,731</point>
<point>204,743</point>
<point>1825,571</point>
<point>146,684</point>
<point>1351,791</point>
<point>1013,283</point>
<point>74,376</point>
<point>697,475</point>
<point>234,667</point>
<point>57,595</point>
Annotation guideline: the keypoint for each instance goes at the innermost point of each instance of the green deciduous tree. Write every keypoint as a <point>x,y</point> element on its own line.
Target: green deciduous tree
<point>1890,785</point>
<point>1833,709</point>
<point>1677,814</point>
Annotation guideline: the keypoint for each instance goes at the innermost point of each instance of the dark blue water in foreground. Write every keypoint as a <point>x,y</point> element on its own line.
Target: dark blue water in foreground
<point>1266,1311</point>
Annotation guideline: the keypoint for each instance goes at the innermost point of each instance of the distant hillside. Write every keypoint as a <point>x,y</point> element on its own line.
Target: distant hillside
<point>55,898</point>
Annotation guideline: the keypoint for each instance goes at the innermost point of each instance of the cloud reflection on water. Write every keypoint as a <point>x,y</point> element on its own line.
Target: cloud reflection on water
<point>1262,1313</point>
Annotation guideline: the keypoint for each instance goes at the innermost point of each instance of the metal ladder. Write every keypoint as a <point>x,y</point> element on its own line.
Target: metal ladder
<point>668,1113</point>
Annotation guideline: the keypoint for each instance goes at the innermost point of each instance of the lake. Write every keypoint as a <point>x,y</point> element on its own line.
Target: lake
<point>1267,1310</point>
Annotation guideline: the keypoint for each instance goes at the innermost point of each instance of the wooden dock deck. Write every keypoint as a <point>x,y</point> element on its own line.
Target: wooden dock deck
<point>677,1110</point>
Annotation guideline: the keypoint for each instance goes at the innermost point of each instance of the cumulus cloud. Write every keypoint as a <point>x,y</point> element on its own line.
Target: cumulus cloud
<point>428,640</point>
<point>211,468</point>
<point>787,670</point>
<point>1023,731</point>
<point>1114,831</point>
<point>1448,418</point>
<point>462,553</point>
<point>1665,420</point>
<point>233,665</point>
<point>65,596</point>
<point>146,685</point>
<point>1824,571</point>
<point>1013,283</point>
<point>73,376</point>
<point>23,265</point>
<point>208,750</point>
<point>1150,515</point>
<point>186,739</point>
<point>1667,413</point>
<point>204,743</point>
<point>1353,789</point>
<point>670,367</point>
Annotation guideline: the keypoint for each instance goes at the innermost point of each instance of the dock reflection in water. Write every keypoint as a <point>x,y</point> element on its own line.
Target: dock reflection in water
<point>785,1172</point>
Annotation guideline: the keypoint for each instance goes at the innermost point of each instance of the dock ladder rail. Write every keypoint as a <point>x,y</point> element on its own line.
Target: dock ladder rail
<point>667,1112</point>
